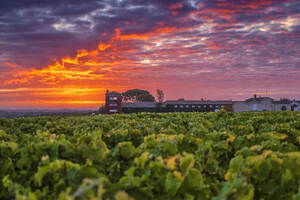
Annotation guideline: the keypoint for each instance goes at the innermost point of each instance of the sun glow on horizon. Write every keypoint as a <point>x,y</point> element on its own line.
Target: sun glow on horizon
<point>180,48</point>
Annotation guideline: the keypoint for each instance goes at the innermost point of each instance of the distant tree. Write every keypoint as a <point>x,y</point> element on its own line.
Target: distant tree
<point>102,109</point>
<point>160,95</point>
<point>145,98</point>
<point>137,95</point>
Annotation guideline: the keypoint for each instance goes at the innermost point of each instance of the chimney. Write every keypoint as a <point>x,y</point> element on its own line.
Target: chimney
<point>255,96</point>
<point>107,91</point>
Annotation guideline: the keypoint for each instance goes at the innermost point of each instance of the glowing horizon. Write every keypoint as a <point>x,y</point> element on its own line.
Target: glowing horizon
<point>191,49</point>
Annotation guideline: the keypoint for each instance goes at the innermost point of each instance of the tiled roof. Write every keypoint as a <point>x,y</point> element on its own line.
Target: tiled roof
<point>190,102</point>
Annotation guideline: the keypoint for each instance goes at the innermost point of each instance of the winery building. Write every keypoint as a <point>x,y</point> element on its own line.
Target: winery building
<point>114,104</point>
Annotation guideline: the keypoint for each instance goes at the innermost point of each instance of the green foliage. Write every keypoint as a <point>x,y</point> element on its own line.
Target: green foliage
<point>217,156</point>
<point>137,95</point>
<point>160,95</point>
<point>145,98</point>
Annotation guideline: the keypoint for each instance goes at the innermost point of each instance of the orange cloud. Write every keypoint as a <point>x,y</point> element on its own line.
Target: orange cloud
<point>103,47</point>
<point>108,66</point>
<point>10,64</point>
<point>213,45</point>
<point>174,13</point>
<point>155,32</point>
<point>253,4</point>
<point>176,6</point>
<point>211,13</point>
<point>226,9</point>
<point>131,36</point>
<point>201,5</point>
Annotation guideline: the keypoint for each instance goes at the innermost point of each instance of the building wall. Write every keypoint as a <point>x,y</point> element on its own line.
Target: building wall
<point>261,105</point>
<point>278,107</point>
<point>240,107</point>
<point>179,108</point>
<point>228,107</point>
<point>113,103</point>
<point>138,110</point>
<point>198,107</point>
<point>295,106</point>
<point>255,105</point>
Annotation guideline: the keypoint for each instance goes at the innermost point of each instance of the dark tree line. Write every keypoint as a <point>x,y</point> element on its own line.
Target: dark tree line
<point>138,95</point>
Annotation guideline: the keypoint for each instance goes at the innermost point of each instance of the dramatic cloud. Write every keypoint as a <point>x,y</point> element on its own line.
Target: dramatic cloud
<point>66,53</point>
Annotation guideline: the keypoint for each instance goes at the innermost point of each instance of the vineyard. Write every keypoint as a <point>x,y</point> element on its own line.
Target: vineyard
<point>219,156</point>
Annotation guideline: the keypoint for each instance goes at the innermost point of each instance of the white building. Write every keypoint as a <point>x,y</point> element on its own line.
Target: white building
<point>264,104</point>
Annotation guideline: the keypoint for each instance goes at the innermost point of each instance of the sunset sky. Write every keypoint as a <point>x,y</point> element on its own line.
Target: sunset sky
<point>66,53</point>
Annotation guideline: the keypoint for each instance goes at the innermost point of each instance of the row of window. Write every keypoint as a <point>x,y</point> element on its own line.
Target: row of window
<point>113,104</point>
<point>113,98</point>
<point>197,106</point>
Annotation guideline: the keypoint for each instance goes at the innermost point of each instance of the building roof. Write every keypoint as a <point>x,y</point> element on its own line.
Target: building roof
<point>113,93</point>
<point>283,101</point>
<point>258,99</point>
<point>295,102</point>
<point>190,102</point>
<point>139,105</point>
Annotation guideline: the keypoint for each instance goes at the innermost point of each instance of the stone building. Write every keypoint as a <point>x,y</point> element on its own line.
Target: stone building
<point>254,104</point>
<point>264,104</point>
<point>113,101</point>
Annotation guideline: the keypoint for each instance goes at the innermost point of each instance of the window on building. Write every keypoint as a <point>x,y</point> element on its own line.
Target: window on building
<point>204,106</point>
<point>254,106</point>
<point>199,106</point>
<point>222,106</point>
<point>210,106</point>
<point>187,106</point>
<point>193,106</point>
<point>181,106</point>
<point>294,107</point>
<point>113,110</point>
<point>175,106</point>
<point>113,104</point>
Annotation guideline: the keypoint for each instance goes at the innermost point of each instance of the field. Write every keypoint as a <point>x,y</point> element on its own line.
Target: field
<point>236,156</point>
